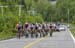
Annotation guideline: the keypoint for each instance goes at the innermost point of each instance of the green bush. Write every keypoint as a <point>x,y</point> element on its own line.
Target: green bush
<point>31,19</point>
<point>8,23</point>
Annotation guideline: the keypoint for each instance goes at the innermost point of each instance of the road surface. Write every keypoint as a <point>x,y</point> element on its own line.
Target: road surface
<point>61,39</point>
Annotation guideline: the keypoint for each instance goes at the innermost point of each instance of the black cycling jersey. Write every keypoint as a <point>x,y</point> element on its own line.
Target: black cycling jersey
<point>43,26</point>
<point>50,26</point>
<point>26,25</point>
<point>36,27</point>
<point>31,28</point>
<point>20,27</point>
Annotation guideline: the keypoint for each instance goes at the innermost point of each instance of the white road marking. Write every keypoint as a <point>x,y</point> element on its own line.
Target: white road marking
<point>71,35</point>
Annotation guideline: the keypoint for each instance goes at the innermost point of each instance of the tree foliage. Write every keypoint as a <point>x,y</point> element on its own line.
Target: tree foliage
<point>62,7</point>
<point>44,11</point>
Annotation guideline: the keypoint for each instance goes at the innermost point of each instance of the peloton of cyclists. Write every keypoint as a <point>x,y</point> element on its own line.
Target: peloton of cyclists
<point>34,29</point>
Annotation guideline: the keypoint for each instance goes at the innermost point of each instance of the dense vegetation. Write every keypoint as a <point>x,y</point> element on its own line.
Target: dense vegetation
<point>44,11</point>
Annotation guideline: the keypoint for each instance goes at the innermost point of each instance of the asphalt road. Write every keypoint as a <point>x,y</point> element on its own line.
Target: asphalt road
<point>61,39</point>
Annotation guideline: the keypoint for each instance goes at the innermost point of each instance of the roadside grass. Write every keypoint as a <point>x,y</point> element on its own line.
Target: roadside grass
<point>72,29</point>
<point>73,32</point>
<point>6,35</point>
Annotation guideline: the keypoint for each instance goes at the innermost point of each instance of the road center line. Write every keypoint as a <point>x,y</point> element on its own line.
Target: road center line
<point>34,42</point>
